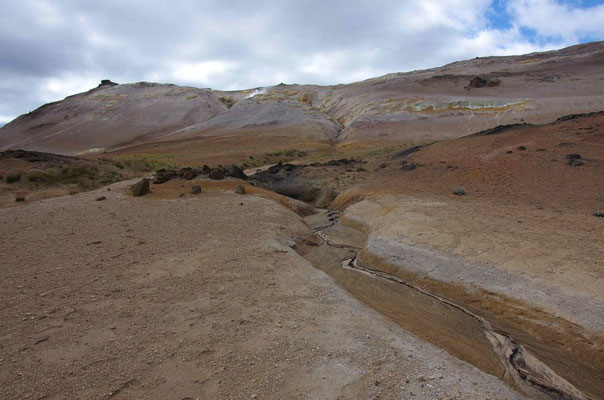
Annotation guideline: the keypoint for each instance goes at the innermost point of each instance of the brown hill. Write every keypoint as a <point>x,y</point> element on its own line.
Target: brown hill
<point>418,106</point>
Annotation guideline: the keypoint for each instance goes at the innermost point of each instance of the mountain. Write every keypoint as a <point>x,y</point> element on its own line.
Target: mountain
<point>418,106</point>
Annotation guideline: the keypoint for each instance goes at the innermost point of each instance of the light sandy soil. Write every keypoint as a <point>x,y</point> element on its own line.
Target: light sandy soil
<point>194,297</point>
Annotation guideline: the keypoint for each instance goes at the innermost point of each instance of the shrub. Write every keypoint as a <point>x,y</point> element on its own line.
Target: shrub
<point>12,178</point>
<point>459,191</point>
<point>37,175</point>
<point>19,198</point>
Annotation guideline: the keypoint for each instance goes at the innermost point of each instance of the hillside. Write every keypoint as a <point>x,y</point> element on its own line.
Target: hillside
<point>412,107</point>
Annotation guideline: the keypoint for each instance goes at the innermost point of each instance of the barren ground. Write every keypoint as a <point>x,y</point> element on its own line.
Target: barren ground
<point>194,297</point>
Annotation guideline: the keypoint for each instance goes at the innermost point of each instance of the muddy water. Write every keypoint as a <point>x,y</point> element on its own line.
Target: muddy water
<point>434,319</point>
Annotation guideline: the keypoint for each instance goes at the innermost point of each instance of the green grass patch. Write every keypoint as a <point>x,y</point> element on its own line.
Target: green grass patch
<point>144,162</point>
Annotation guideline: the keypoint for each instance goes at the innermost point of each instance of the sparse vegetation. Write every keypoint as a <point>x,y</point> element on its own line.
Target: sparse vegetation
<point>143,162</point>
<point>305,98</point>
<point>227,101</point>
<point>13,177</point>
<point>36,175</point>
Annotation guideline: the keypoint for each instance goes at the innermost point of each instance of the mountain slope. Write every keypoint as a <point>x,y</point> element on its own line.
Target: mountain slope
<point>418,106</point>
<point>108,116</point>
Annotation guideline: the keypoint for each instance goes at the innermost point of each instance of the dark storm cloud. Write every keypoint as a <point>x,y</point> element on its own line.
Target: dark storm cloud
<point>50,49</point>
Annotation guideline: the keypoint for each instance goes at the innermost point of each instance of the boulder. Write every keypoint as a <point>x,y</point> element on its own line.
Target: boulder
<point>217,173</point>
<point>164,175</point>
<point>240,189</point>
<point>100,198</point>
<point>236,172</point>
<point>183,171</point>
<point>188,175</point>
<point>140,188</point>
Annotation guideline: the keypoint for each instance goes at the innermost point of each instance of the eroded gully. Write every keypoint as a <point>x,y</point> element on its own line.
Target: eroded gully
<point>437,320</point>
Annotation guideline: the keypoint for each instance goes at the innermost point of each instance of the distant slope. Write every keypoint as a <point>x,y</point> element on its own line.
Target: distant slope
<point>419,106</point>
<point>108,116</point>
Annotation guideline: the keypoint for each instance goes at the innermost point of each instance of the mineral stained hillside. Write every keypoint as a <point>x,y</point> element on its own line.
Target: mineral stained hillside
<point>450,101</point>
<point>433,234</point>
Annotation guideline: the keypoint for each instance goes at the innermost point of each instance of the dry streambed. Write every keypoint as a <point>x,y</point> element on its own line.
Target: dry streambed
<point>462,332</point>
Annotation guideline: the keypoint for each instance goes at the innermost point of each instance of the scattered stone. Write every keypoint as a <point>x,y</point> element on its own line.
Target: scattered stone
<point>573,156</point>
<point>100,198</point>
<point>409,167</point>
<point>382,166</point>
<point>521,148</point>
<point>575,162</point>
<point>459,191</point>
<point>240,189</point>
<point>140,188</point>
<point>509,152</point>
<point>195,189</point>
<point>216,174</point>
<point>205,170</point>
<point>599,214</point>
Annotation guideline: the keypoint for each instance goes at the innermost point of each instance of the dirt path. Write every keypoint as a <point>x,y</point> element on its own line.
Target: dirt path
<point>195,297</point>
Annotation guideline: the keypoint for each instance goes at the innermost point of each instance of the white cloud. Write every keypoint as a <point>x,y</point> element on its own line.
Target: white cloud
<point>201,73</point>
<point>552,18</point>
<point>58,87</point>
<point>69,45</point>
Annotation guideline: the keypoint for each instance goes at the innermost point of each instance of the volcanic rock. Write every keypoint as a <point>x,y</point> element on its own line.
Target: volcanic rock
<point>217,173</point>
<point>236,172</point>
<point>140,188</point>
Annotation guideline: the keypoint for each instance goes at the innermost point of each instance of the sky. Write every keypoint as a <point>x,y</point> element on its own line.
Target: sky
<point>52,49</point>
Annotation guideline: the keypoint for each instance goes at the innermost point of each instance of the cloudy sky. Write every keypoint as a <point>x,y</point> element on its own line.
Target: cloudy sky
<point>51,49</point>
